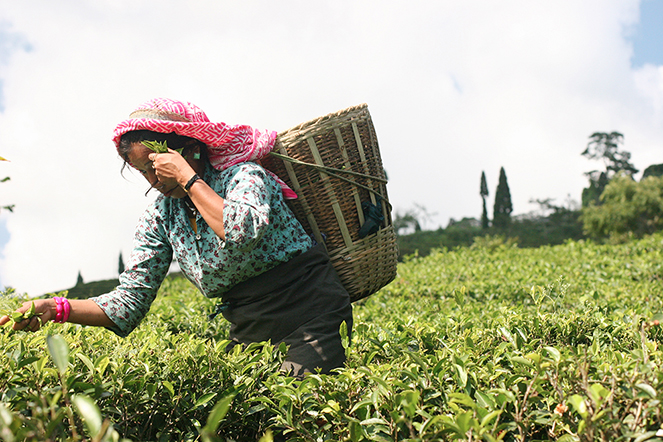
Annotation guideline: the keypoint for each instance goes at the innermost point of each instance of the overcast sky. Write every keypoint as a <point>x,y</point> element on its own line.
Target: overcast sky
<point>454,88</point>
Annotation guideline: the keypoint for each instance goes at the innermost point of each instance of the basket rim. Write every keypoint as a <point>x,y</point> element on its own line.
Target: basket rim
<point>304,129</point>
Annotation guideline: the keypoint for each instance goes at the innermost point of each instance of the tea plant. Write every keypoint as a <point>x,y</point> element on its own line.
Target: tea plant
<point>489,343</point>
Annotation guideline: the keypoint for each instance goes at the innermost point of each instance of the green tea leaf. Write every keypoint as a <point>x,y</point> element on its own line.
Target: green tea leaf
<point>31,311</point>
<point>217,414</point>
<point>343,330</point>
<point>204,399</point>
<point>267,437</point>
<point>159,147</point>
<point>169,387</point>
<point>90,413</point>
<point>647,389</point>
<point>17,316</point>
<point>553,353</point>
<point>86,361</point>
<point>578,403</point>
<point>156,146</point>
<point>59,350</point>
<point>465,421</point>
<point>101,363</point>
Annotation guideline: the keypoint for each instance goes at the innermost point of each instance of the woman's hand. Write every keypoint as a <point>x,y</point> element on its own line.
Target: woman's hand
<point>82,311</point>
<point>44,312</point>
<point>171,166</point>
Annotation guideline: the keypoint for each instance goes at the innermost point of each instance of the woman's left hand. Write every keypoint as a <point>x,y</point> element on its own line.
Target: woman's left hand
<point>171,166</point>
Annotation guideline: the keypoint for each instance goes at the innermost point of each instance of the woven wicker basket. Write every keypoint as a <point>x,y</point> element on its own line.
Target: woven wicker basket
<point>334,165</point>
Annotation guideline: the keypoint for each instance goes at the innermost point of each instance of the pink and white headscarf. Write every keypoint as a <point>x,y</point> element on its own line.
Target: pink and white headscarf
<point>226,145</point>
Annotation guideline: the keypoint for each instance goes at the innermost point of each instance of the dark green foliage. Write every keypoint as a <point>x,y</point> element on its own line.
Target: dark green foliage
<point>485,222</point>
<point>490,343</point>
<point>592,194</point>
<point>653,170</point>
<point>120,266</point>
<point>502,208</point>
<point>558,226</point>
<point>605,147</point>
<point>422,242</point>
<point>94,288</point>
<point>406,221</point>
<point>412,220</point>
<point>628,208</point>
<point>79,279</point>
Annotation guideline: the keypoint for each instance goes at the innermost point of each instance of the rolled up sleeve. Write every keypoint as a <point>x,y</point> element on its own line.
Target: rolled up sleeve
<point>148,265</point>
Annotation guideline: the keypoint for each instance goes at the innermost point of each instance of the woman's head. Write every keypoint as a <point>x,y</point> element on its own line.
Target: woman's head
<point>225,145</point>
<point>135,150</point>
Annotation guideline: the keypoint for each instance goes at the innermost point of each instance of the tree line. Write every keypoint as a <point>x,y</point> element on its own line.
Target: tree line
<point>614,207</point>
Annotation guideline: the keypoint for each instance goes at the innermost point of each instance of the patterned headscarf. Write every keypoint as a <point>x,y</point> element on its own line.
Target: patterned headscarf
<point>226,145</point>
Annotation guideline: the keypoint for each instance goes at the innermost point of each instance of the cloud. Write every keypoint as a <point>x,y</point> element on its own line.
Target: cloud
<point>10,42</point>
<point>454,88</point>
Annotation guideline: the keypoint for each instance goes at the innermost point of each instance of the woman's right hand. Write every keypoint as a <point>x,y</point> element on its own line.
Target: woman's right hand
<point>44,312</point>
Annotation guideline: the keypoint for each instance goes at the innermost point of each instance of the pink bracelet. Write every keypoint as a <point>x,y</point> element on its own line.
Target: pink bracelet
<point>67,309</point>
<point>62,309</point>
<point>58,310</point>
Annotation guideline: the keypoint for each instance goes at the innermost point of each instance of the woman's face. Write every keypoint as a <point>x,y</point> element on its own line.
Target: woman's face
<point>139,159</point>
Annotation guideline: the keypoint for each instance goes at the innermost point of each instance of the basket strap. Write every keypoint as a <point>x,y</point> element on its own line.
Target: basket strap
<point>362,156</point>
<point>334,172</point>
<point>296,186</point>
<point>345,233</point>
<point>348,165</point>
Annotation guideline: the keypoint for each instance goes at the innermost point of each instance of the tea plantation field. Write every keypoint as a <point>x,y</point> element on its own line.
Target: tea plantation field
<point>484,343</point>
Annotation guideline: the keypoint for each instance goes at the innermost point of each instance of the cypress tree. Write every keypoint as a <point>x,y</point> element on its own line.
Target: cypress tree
<point>485,223</point>
<point>120,267</point>
<point>79,280</point>
<point>503,207</point>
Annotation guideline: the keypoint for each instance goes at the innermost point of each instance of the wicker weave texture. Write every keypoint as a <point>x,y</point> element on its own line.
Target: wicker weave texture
<point>344,147</point>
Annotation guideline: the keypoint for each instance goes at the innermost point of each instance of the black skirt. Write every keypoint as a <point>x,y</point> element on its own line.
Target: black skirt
<point>302,303</point>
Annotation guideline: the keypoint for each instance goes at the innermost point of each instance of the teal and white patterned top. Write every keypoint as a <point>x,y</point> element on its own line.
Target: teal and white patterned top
<point>260,229</point>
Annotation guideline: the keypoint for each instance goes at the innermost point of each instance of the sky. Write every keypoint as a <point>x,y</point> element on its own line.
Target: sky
<point>454,89</point>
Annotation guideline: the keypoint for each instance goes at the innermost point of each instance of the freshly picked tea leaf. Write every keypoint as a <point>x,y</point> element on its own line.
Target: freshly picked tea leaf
<point>156,146</point>
<point>18,316</point>
<point>159,147</point>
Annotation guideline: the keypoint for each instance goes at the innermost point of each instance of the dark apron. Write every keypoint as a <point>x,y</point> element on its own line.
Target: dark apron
<point>300,302</point>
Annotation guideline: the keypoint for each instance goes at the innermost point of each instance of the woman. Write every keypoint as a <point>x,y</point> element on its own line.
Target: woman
<point>224,219</point>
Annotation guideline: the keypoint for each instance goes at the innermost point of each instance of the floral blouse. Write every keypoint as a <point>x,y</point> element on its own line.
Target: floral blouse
<point>260,229</point>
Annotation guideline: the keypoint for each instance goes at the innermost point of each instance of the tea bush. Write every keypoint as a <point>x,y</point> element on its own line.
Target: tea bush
<point>486,343</point>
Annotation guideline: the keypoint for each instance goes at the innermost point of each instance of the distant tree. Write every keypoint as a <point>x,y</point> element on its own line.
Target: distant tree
<point>405,222</point>
<point>79,280</point>
<point>502,208</point>
<point>604,147</point>
<point>120,267</point>
<point>653,170</point>
<point>485,222</point>
<point>412,220</point>
<point>628,208</point>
